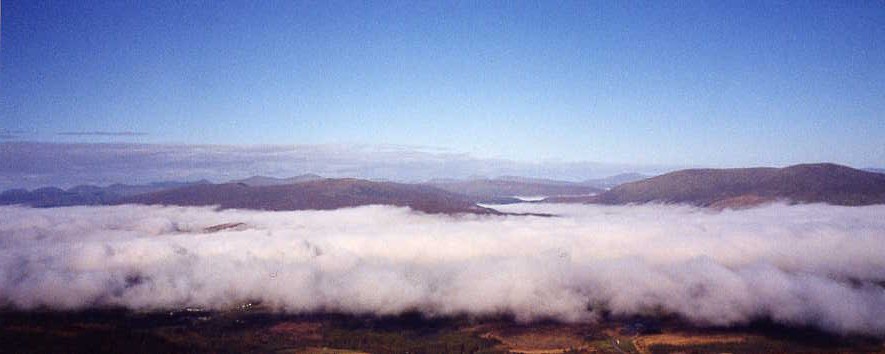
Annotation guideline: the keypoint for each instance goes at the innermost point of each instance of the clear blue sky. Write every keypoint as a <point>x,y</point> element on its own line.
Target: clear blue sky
<point>722,83</point>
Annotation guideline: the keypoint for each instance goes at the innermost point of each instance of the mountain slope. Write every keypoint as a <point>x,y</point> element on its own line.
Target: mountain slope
<point>807,183</point>
<point>314,195</point>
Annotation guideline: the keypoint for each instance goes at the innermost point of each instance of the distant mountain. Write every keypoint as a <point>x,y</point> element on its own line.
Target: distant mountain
<point>739,187</point>
<point>84,194</point>
<point>129,189</point>
<point>616,180</point>
<point>504,189</point>
<point>544,181</point>
<point>259,181</point>
<point>52,196</point>
<point>875,170</point>
<point>321,194</point>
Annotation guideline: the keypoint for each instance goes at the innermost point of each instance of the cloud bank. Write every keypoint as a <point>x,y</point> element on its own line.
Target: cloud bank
<point>808,265</point>
<point>32,165</point>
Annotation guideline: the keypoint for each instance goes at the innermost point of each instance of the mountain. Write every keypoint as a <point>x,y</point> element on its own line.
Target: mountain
<point>84,194</point>
<point>506,188</point>
<point>128,189</point>
<point>875,170</point>
<point>740,187</point>
<point>259,181</point>
<point>544,181</point>
<point>321,194</point>
<point>52,196</point>
<point>612,181</point>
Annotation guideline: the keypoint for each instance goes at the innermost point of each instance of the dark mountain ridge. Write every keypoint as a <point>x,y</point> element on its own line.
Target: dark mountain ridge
<point>736,187</point>
<point>322,194</point>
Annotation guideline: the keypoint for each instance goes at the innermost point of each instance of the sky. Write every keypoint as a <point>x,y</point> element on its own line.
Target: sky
<point>724,83</point>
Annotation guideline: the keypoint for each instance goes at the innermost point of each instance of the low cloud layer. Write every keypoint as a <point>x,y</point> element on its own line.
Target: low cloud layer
<point>32,165</point>
<point>809,265</point>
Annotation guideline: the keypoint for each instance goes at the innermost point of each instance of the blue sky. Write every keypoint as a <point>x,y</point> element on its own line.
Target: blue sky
<point>718,83</point>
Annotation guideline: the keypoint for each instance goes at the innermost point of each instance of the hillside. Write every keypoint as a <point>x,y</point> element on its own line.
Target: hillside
<point>807,183</point>
<point>314,195</point>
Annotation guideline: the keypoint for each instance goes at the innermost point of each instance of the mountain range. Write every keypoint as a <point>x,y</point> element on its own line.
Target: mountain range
<point>323,194</point>
<point>715,188</point>
<point>84,194</point>
<point>307,191</point>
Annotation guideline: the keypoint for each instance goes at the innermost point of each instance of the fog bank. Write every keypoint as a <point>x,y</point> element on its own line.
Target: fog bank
<point>809,264</point>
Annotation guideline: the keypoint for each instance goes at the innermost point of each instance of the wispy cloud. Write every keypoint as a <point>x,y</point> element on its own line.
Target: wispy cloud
<point>31,164</point>
<point>103,133</point>
<point>6,134</point>
<point>775,262</point>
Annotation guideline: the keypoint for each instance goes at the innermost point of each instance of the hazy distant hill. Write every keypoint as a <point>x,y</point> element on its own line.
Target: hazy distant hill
<point>808,183</point>
<point>52,196</point>
<point>545,181</point>
<point>316,195</point>
<point>612,181</point>
<point>258,181</point>
<point>503,189</point>
<point>84,194</point>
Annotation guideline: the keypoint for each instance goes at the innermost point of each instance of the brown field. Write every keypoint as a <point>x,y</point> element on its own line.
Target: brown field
<point>538,338</point>
<point>258,331</point>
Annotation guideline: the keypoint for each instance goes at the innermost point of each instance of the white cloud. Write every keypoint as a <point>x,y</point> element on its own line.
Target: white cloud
<point>809,264</point>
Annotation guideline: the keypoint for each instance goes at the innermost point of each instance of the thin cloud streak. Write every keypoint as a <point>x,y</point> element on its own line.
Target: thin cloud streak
<point>103,133</point>
<point>6,134</point>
